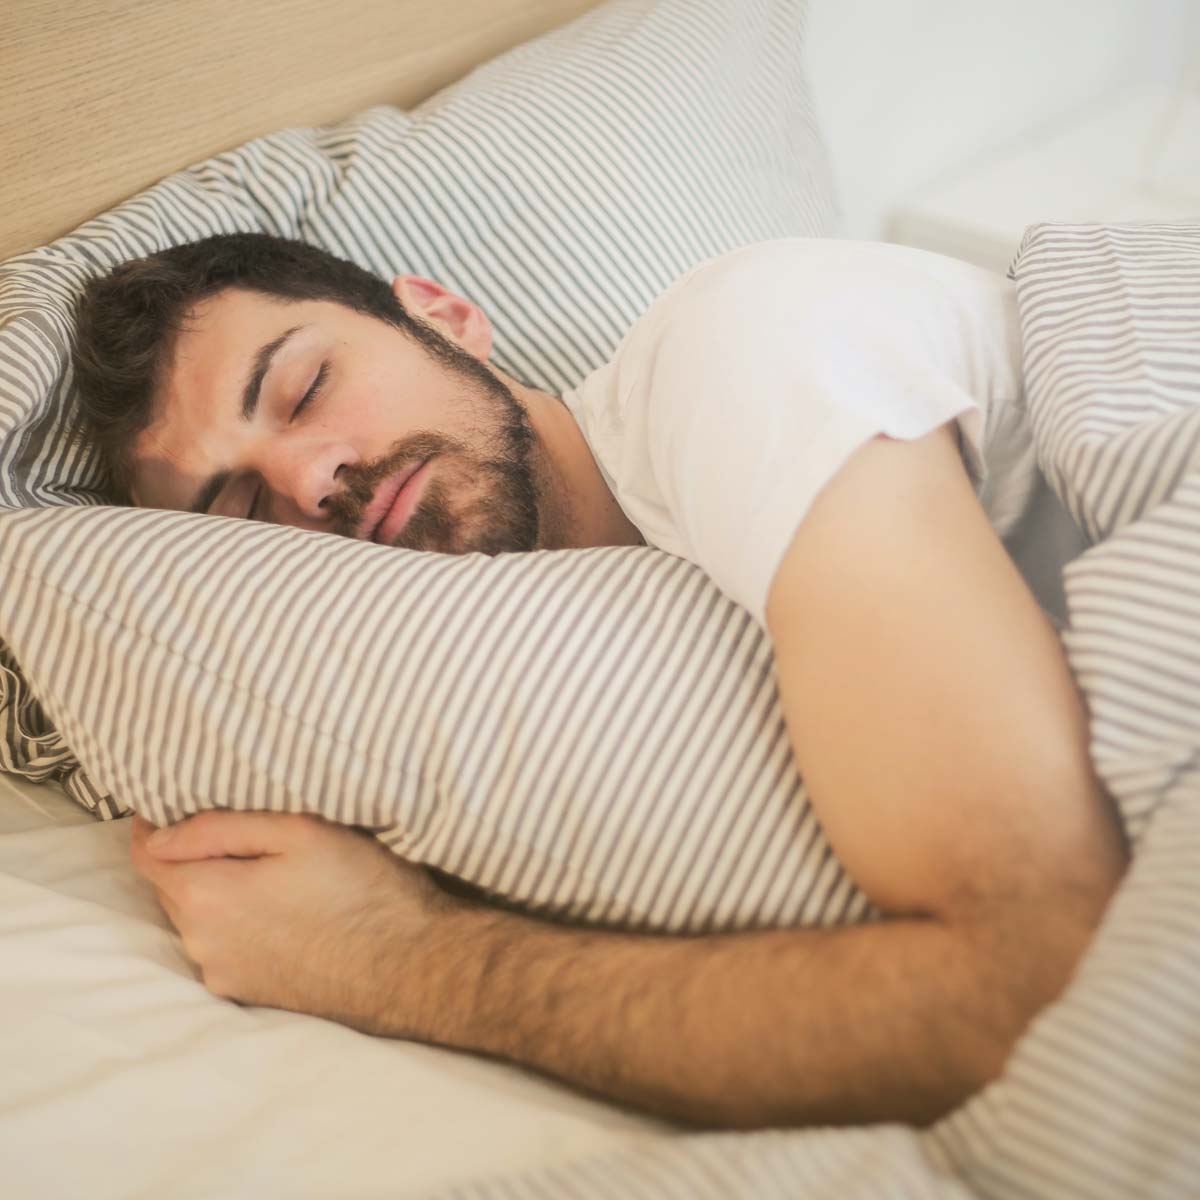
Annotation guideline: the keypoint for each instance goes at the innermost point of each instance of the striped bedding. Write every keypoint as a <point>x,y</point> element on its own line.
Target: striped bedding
<point>529,723</point>
<point>562,186</point>
<point>590,734</point>
<point>1101,1098</point>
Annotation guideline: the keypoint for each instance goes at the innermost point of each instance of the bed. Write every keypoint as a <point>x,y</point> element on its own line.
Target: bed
<point>325,1111</point>
<point>121,1073</point>
<point>127,1081</point>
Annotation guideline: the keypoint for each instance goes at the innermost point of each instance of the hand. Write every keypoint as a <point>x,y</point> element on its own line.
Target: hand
<point>291,911</point>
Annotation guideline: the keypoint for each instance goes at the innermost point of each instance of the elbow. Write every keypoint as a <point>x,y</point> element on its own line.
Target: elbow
<point>1026,952</point>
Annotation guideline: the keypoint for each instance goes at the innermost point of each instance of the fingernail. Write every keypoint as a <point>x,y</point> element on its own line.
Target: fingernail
<point>160,837</point>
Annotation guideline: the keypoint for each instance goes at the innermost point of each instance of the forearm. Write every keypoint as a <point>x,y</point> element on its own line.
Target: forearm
<point>898,1020</point>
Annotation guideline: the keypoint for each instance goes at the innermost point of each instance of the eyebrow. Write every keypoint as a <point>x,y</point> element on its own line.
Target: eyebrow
<point>213,485</point>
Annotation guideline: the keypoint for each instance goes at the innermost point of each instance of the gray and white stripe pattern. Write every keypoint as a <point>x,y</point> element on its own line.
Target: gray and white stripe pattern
<point>562,186</point>
<point>589,734</point>
<point>1101,1099</point>
<point>36,745</point>
<point>1119,439</point>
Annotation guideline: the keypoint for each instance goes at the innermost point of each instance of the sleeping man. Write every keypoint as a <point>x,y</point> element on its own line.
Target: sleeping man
<point>812,423</point>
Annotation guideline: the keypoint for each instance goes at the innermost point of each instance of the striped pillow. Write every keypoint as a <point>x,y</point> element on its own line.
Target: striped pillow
<point>562,186</point>
<point>591,733</point>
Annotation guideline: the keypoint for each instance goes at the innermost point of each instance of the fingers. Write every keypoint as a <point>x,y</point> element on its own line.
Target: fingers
<point>194,849</point>
<point>224,834</point>
<point>140,830</point>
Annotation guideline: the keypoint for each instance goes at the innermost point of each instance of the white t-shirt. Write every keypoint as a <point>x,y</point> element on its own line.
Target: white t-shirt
<point>743,388</point>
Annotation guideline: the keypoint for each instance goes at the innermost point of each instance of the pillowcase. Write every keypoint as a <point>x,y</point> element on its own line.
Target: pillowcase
<point>592,734</point>
<point>562,186</point>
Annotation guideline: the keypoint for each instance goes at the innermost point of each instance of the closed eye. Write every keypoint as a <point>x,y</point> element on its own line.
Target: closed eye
<point>314,390</point>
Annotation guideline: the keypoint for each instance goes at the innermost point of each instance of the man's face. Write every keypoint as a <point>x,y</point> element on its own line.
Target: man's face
<point>314,415</point>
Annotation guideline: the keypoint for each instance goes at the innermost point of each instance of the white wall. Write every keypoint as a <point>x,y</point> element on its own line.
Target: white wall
<point>909,91</point>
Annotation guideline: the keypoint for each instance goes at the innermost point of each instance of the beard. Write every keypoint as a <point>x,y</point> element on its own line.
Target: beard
<point>481,497</point>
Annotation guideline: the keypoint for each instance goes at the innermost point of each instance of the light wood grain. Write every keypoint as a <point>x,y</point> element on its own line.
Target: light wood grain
<point>101,98</point>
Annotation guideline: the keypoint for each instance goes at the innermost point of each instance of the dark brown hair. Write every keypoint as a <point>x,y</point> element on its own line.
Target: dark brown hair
<point>127,322</point>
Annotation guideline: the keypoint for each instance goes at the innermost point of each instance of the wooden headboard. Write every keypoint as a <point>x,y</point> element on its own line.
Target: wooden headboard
<point>101,98</point>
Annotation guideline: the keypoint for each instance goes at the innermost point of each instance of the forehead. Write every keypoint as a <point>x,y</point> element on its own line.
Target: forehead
<point>215,350</point>
<point>203,378</point>
<point>231,324</point>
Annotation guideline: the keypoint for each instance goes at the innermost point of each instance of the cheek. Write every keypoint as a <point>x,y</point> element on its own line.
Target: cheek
<point>390,414</point>
<point>414,393</point>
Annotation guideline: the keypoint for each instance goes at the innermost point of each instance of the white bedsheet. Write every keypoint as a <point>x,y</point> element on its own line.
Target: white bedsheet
<point>121,1076</point>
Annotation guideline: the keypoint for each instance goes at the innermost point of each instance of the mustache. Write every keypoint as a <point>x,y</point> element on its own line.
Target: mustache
<point>360,480</point>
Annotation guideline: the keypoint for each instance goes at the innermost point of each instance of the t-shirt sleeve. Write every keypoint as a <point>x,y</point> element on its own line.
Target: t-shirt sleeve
<point>754,397</point>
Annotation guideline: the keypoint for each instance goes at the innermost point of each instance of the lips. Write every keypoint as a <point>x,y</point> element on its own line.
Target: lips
<point>393,503</point>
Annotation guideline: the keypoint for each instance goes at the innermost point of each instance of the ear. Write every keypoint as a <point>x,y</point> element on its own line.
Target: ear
<point>456,317</point>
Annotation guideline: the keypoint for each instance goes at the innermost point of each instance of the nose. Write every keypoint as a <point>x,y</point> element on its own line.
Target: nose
<point>301,478</point>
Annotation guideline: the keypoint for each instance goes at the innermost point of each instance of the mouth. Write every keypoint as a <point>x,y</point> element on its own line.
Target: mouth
<point>393,503</point>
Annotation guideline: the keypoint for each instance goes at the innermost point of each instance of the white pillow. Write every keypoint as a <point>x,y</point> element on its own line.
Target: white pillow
<point>562,186</point>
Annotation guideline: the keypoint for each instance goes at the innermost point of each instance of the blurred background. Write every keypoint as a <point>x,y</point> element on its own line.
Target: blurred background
<point>953,124</point>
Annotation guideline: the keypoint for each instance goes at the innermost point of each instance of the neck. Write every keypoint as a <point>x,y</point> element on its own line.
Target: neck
<point>579,508</point>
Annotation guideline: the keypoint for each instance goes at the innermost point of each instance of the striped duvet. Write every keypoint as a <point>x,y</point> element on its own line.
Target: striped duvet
<point>1101,1098</point>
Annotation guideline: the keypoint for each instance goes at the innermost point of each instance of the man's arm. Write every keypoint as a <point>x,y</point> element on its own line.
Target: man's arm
<point>944,747</point>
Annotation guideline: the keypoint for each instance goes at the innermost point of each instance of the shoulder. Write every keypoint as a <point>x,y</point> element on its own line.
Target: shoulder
<point>797,296</point>
<point>792,268</point>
